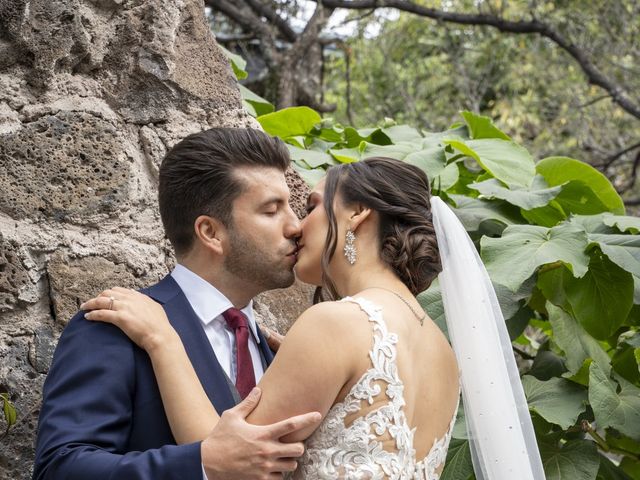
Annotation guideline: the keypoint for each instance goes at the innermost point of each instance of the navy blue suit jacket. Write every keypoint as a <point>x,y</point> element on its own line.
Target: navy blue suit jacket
<point>102,416</point>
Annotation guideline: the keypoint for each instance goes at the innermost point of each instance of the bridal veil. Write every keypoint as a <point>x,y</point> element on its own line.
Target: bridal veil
<point>501,437</point>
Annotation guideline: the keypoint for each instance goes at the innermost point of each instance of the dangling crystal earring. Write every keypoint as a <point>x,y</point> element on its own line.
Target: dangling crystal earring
<point>350,247</point>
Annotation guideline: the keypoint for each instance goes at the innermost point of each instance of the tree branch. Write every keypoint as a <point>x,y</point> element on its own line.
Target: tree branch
<point>594,76</point>
<point>280,23</point>
<point>612,158</point>
<point>249,21</point>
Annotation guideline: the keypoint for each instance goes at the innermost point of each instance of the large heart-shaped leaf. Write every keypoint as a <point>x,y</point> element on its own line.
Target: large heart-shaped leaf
<point>623,223</point>
<point>623,250</point>
<point>482,127</point>
<point>611,409</point>
<point>255,104</point>
<point>431,302</point>
<point>515,256</point>
<point>402,133</point>
<point>575,460</point>
<point>473,211</point>
<point>313,158</point>
<point>432,160</point>
<point>602,298</point>
<point>458,465</point>
<point>505,160</point>
<point>559,170</point>
<point>290,122</point>
<point>576,343</point>
<point>557,400</point>
<point>538,195</point>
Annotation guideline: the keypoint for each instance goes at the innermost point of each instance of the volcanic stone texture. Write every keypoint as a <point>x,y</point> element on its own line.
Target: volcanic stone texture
<point>92,95</point>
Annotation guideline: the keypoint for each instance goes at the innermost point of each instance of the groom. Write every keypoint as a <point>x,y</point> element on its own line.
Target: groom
<point>225,208</point>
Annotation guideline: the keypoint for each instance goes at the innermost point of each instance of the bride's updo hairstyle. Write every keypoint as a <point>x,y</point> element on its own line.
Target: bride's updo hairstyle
<point>399,193</point>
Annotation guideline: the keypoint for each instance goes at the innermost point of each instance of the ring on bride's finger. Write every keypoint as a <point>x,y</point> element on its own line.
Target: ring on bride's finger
<point>111,300</point>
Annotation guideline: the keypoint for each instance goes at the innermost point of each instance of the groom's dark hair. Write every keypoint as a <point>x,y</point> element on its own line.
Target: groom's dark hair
<point>196,177</point>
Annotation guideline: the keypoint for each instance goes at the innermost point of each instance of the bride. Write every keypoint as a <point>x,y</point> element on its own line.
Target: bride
<point>377,368</point>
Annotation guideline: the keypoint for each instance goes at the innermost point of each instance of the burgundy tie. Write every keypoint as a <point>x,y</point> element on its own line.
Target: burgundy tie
<point>245,377</point>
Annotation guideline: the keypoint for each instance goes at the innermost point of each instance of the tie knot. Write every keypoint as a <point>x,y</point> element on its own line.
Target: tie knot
<point>235,319</point>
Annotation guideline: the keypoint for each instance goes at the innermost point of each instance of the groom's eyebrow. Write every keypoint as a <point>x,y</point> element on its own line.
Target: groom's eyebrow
<point>271,200</point>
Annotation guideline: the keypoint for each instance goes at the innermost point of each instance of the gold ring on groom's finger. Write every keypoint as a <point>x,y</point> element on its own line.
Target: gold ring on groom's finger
<point>111,300</point>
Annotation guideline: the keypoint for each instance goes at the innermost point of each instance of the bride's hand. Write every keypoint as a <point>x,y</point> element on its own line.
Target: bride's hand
<point>138,316</point>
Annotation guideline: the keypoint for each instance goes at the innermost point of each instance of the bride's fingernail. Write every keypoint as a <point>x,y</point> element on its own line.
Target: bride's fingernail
<point>82,306</point>
<point>87,315</point>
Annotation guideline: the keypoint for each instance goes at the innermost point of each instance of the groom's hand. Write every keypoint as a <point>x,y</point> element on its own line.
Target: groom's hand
<point>236,449</point>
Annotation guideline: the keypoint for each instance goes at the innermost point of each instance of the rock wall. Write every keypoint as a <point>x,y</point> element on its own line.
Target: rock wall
<point>92,94</point>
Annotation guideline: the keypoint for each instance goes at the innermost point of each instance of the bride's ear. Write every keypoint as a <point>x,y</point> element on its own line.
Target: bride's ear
<point>210,232</point>
<point>359,215</point>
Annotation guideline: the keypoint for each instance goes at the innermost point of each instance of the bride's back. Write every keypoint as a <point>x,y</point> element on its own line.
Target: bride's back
<point>426,368</point>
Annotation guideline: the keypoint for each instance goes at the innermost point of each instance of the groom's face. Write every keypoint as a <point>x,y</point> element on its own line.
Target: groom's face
<point>263,231</point>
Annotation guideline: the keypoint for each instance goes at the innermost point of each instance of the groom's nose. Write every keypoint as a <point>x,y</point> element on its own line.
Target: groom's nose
<point>292,224</point>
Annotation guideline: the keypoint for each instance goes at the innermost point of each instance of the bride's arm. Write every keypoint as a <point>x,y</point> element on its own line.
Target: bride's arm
<point>190,413</point>
<point>317,358</point>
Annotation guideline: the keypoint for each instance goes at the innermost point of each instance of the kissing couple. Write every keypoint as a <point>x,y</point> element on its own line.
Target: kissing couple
<point>162,384</point>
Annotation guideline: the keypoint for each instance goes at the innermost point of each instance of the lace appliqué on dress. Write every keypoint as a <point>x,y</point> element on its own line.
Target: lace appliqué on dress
<point>335,451</point>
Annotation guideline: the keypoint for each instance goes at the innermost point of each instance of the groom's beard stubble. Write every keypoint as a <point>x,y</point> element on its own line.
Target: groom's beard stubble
<point>258,265</point>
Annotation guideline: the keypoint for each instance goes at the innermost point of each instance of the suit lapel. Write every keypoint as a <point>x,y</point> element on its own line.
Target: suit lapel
<point>188,325</point>
<point>264,348</point>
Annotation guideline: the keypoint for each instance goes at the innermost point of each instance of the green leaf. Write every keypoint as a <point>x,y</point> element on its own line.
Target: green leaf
<point>312,158</point>
<point>402,133</point>
<point>458,465</point>
<point>432,160</point>
<point>623,250</point>
<point>238,64</point>
<point>346,155</point>
<point>482,127</point>
<point>559,170</point>
<point>609,471</point>
<point>290,122</point>
<point>593,223</point>
<point>552,284</point>
<point>557,400</point>
<point>431,302</point>
<point>514,257</point>
<point>618,410</point>
<point>625,363</point>
<point>547,216</point>
<point>10,414</point>
<point>577,197</point>
<point>547,365</point>
<point>254,103</point>
<point>311,176</point>
<point>447,178</point>
<point>623,223</point>
<point>538,195</point>
<point>398,151</point>
<point>576,343</point>
<point>576,460</point>
<point>472,212</point>
<point>602,298</point>
<point>505,160</point>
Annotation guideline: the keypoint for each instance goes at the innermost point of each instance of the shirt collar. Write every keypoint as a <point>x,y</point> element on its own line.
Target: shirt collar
<point>206,300</point>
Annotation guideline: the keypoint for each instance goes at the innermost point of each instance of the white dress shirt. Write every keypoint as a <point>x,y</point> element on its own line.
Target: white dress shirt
<point>209,303</point>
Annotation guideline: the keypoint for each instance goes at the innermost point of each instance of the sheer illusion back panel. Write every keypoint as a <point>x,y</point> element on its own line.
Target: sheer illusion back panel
<point>367,434</point>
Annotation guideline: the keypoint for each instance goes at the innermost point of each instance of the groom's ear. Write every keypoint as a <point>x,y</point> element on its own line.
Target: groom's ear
<point>210,232</point>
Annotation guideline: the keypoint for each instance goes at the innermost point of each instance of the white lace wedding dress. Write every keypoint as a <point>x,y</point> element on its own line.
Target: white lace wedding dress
<point>336,451</point>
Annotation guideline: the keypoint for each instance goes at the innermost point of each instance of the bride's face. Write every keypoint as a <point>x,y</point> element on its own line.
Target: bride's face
<point>314,233</point>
